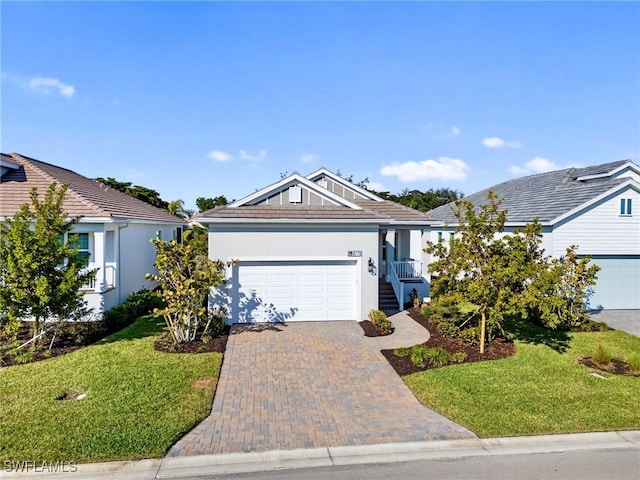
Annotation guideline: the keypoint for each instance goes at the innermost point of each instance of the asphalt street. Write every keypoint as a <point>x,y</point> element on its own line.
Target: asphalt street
<point>619,464</point>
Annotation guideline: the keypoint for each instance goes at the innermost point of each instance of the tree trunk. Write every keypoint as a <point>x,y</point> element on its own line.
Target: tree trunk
<point>483,329</point>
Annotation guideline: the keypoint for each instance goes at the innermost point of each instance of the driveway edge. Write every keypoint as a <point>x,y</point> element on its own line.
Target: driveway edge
<point>184,467</point>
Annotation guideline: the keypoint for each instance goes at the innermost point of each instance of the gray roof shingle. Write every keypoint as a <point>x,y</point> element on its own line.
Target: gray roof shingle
<point>85,197</point>
<point>545,195</point>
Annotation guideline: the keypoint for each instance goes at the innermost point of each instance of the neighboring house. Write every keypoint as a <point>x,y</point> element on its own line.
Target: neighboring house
<point>596,208</point>
<point>314,248</point>
<point>114,232</point>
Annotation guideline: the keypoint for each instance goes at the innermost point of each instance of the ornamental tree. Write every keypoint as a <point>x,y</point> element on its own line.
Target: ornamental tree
<point>506,274</point>
<point>185,276</point>
<point>40,272</point>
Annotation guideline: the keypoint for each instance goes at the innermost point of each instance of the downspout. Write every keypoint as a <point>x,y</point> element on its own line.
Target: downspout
<point>119,263</point>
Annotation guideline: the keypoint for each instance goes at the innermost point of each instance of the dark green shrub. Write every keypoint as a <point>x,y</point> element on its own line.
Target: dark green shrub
<point>142,302</point>
<point>438,356</point>
<point>379,320</point>
<point>419,355</point>
<point>448,328</point>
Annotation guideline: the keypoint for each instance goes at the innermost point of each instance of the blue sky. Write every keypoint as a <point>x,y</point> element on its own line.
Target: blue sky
<point>208,98</point>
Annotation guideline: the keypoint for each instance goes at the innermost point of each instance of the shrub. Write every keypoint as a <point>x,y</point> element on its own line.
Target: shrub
<point>459,357</point>
<point>601,355</point>
<point>414,298</point>
<point>447,328</point>
<point>472,335</point>
<point>379,320</point>
<point>419,355</point>
<point>142,302</point>
<point>402,352</point>
<point>438,356</point>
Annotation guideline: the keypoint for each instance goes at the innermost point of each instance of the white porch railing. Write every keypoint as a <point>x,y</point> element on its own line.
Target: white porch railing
<point>109,279</point>
<point>407,270</point>
<point>400,272</point>
<point>398,286</point>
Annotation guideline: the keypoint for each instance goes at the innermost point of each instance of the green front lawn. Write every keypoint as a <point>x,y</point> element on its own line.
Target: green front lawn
<point>542,389</point>
<point>139,401</point>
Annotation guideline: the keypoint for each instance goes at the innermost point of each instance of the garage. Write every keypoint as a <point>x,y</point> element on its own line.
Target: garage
<point>618,285</point>
<point>276,291</point>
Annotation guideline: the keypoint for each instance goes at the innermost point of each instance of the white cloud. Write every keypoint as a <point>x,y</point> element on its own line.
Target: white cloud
<point>455,131</point>
<point>308,158</point>
<point>538,165</point>
<point>244,155</point>
<point>219,156</point>
<point>444,168</point>
<point>47,86</point>
<point>497,142</point>
<point>41,85</point>
<point>377,186</point>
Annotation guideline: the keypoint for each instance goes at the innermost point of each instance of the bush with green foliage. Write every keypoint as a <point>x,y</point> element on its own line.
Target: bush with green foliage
<point>419,355</point>
<point>142,302</point>
<point>379,320</point>
<point>458,357</point>
<point>402,352</point>
<point>438,356</point>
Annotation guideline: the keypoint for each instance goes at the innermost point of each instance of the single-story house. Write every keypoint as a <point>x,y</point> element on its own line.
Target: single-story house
<point>114,232</point>
<point>596,208</point>
<point>315,247</point>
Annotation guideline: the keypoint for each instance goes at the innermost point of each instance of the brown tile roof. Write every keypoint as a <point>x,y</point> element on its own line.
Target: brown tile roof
<point>285,212</point>
<point>85,197</point>
<point>384,212</point>
<point>394,211</point>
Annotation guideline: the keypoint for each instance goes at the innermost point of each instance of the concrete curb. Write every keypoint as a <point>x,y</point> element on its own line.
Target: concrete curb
<point>184,467</point>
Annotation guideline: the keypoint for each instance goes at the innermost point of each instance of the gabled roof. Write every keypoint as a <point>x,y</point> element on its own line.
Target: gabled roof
<point>85,197</point>
<point>323,172</point>
<point>549,195</point>
<point>333,208</point>
<point>293,179</point>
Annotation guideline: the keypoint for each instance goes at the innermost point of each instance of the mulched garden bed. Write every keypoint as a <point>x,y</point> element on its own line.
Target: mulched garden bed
<point>615,366</point>
<point>68,338</point>
<point>370,330</point>
<point>216,344</point>
<point>494,350</point>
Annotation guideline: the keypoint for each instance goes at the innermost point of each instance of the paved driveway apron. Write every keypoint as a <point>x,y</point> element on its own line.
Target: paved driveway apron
<point>306,385</point>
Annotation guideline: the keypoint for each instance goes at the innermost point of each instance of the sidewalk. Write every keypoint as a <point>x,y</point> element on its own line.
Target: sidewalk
<point>185,467</point>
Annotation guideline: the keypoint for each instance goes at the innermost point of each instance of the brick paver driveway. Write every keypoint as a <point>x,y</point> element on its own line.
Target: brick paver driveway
<point>305,385</point>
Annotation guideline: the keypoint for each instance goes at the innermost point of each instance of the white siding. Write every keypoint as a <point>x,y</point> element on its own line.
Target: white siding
<point>601,230</point>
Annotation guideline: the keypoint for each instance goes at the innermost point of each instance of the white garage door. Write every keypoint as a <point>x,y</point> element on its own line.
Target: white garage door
<point>294,291</point>
<point>618,285</point>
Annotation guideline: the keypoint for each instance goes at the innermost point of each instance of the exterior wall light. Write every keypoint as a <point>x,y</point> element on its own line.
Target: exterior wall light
<point>372,267</point>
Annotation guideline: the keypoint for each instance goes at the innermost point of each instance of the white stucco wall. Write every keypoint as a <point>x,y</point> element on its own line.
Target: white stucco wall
<point>137,256</point>
<point>309,242</point>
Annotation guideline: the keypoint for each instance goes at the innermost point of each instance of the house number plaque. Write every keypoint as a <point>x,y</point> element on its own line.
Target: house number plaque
<point>354,253</point>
